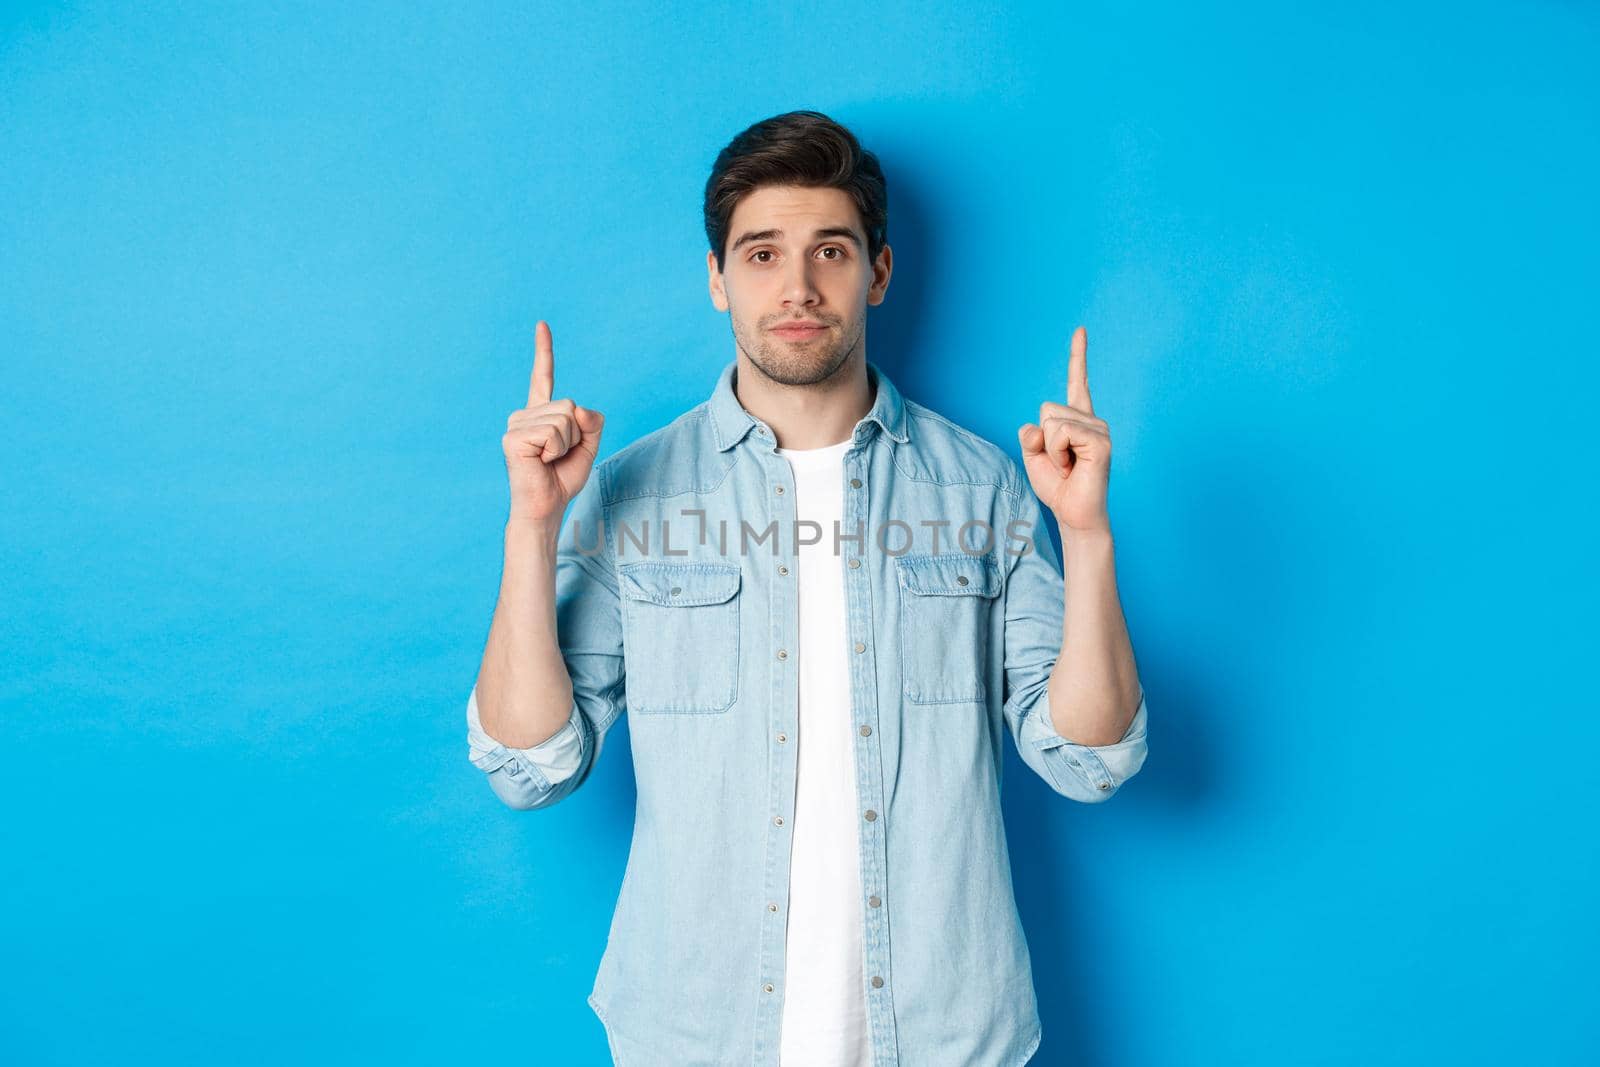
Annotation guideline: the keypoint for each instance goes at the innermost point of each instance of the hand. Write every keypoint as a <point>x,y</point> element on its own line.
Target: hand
<point>1068,454</point>
<point>550,445</point>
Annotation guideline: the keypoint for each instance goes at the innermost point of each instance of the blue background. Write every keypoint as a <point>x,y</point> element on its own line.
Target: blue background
<point>268,295</point>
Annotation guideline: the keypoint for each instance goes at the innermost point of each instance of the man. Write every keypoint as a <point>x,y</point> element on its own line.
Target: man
<point>825,606</point>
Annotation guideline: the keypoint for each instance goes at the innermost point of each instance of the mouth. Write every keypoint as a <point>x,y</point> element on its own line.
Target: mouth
<point>799,333</point>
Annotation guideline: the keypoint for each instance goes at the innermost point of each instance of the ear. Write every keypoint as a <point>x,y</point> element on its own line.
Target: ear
<point>719,296</point>
<point>882,267</point>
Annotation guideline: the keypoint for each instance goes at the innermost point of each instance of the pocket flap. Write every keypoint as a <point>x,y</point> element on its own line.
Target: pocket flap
<point>949,574</point>
<point>679,584</point>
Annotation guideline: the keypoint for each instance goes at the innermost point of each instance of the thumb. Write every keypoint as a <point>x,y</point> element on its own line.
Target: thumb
<point>589,420</point>
<point>1032,439</point>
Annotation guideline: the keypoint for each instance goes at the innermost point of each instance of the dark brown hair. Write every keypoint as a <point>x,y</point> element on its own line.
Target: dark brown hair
<point>796,148</point>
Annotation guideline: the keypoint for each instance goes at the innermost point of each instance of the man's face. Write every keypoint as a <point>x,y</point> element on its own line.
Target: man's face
<point>798,255</point>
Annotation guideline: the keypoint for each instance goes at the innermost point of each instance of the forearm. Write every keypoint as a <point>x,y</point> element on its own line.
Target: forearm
<point>524,691</point>
<point>1094,686</point>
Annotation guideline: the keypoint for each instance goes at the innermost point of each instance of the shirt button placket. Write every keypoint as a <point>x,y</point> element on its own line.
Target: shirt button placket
<point>865,729</point>
<point>782,654</point>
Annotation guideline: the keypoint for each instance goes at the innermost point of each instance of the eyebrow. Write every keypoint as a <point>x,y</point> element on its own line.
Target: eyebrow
<point>826,231</point>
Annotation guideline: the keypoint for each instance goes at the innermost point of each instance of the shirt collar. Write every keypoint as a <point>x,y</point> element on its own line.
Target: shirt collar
<point>730,422</point>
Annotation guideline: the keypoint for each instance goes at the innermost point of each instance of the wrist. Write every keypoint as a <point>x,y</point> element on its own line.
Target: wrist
<point>1087,538</point>
<point>533,534</point>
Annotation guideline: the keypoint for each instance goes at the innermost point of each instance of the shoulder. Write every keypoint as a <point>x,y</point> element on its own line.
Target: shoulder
<point>680,457</point>
<point>944,451</point>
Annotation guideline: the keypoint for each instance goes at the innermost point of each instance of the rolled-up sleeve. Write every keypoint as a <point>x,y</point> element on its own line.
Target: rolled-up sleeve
<point>526,777</point>
<point>589,633</point>
<point>1035,606</point>
<point>1090,773</point>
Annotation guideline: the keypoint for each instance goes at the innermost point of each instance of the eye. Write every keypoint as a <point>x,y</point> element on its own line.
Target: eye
<point>760,252</point>
<point>835,248</point>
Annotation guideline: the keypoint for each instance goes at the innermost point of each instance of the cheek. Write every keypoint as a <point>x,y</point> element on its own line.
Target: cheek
<point>847,293</point>
<point>750,300</point>
<point>746,292</point>
<point>848,282</point>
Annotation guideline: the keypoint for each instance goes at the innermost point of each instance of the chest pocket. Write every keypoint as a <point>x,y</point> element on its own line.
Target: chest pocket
<point>945,601</point>
<point>680,635</point>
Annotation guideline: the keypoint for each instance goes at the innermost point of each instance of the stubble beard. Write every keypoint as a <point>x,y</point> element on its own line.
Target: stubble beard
<point>789,364</point>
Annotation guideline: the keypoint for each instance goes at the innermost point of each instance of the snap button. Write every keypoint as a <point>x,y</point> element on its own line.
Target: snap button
<point>1105,785</point>
<point>961,579</point>
<point>779,490</point>
<point>855,563</point>
<point>866,731</point>
<point>676,590</point>
<point>855,483</point>
<point>782,569</point>
<point>871,815</point>
<point>783,653</point>
<point>877,983</point>
<point>772,907</point>
<point>777,820</point>
<point>860,647</point>
<point>874,901</point>
<point>768,987</point>
<point>782,738</point>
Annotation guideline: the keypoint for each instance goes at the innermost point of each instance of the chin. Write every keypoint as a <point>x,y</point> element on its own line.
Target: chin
<point>798,368</point>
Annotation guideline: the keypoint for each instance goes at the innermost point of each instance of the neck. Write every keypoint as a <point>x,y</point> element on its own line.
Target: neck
<point>807,416</point>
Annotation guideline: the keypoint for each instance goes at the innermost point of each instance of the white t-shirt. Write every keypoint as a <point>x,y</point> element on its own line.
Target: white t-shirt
<point>824,1005</point>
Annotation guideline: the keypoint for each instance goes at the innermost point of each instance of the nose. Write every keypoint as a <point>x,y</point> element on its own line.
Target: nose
<point>798,288</point>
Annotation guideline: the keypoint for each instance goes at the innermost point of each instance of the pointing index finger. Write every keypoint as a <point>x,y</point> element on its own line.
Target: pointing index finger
<point>1078,373</point>
<point>542,385</point>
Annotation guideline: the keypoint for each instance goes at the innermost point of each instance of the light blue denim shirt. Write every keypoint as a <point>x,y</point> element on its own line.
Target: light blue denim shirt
<point>676,601</point>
